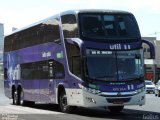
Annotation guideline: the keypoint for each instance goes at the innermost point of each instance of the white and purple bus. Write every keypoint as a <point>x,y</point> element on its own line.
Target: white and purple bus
<point>87,58</point>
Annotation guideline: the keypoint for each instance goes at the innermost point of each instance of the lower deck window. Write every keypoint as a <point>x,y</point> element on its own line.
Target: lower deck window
<point>42,70</point>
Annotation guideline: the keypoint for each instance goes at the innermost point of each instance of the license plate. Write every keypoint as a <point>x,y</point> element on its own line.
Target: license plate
<point>118,102</point>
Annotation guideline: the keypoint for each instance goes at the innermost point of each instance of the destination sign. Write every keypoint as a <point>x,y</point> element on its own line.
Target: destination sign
<point>98,52</point>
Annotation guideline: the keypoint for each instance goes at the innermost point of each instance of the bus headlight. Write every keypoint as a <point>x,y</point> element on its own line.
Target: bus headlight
<point>94,91</point>
<point>140,90</point>
<point>90,90</point>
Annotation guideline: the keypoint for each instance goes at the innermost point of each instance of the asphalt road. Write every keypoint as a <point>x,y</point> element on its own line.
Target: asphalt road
<point>150,111</point>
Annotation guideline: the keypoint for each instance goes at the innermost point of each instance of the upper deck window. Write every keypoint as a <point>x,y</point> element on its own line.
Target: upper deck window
<point>45,32</point>
<point>69,25</point>
<point>108,26</point>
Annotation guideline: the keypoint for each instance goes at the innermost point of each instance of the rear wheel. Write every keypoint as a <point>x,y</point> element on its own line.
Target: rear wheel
<point>115,109</point>
<point>64,107</point>
<point>17,96</point>
<point>158,93</point>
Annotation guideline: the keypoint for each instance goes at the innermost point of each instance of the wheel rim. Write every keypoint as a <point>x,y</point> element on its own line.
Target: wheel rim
<point>21,97</point>
<point>15,98</point>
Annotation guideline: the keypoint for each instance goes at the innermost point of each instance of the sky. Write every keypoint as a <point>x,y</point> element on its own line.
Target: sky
<point>20,13</point>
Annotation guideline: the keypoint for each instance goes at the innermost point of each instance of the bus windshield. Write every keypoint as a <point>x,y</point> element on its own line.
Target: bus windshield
<point>114,65</point>
<point>103,27</point>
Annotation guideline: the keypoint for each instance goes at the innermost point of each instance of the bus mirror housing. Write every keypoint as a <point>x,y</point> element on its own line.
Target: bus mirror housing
<point>152,48</point>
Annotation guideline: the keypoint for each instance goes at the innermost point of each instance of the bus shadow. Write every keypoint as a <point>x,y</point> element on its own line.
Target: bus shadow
<point>50,107</point>
<point>126,114</point>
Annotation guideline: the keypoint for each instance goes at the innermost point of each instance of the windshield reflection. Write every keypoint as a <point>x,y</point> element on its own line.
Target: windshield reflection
<point>121,65</point>
<point>102,26</point>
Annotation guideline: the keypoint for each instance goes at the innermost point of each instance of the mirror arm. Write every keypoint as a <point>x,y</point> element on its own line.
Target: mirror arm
<point>152,48</point>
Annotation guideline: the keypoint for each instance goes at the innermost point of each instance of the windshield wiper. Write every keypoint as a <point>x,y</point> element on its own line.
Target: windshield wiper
<point>133,78</point>
<point>99,78</point>
<point>105,76</point>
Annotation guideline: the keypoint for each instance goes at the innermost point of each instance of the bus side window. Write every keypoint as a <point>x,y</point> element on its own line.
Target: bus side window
<point>51,32</point>
<point>69,25</point>
<point>58,70</point>
<point>76,66</point>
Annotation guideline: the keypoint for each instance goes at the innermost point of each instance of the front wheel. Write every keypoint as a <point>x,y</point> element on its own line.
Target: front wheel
<point>64,107</point>
<point>115,109</point>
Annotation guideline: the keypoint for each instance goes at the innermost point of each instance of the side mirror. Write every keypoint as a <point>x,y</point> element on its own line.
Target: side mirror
<point>152,48</point>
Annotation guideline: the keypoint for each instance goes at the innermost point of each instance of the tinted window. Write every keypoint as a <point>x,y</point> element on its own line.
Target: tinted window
<point>51,31</point>
<point>114,65</point>
<point>37,70</point>
<point>102,27</point>
<point>69,26</point>
<point>45,32</point>
<point>27,71</point>
<point>74,60</point>
<point>48,69</point>
<point>59,70</point>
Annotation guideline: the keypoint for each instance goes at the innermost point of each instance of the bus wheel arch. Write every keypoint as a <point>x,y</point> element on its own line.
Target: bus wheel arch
<point>62,100</point>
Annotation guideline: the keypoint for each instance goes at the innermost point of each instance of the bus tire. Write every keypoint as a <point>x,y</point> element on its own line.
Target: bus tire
<point>64,107</point>
<point>15,97</point>
<point>20,97</point>
<point>158,93</point>
<point>115,109</point>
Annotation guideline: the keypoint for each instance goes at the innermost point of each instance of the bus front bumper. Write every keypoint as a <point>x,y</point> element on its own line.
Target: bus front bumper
<point>83,98</point>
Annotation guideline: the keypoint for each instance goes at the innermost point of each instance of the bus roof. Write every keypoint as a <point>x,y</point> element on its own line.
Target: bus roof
<point>94,11</point>
<point>72,12</point>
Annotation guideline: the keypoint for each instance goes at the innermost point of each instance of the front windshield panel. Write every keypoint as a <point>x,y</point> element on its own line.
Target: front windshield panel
<point>114,65</point>
<point>101,66</point>
<point>129,64</point>
<point>103,27</point>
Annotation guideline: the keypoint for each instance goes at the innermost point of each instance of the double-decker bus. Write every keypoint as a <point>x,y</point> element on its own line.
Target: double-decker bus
<point>87,58</point>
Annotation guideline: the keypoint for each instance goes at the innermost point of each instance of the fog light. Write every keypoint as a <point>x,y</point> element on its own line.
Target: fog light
<point>142,98</point>
<point>90,100</point>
